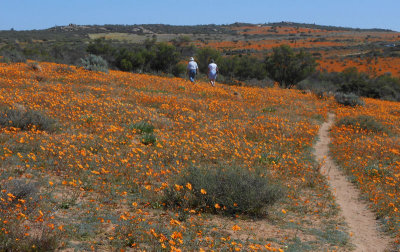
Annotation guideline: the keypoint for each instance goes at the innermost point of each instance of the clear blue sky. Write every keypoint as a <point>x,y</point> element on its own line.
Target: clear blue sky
<point>40,14</point>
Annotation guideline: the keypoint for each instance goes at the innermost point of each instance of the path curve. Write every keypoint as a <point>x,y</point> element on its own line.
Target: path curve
<point>361,221</point>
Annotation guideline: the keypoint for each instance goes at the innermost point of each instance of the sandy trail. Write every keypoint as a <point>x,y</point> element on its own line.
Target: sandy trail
<point>362,222</point>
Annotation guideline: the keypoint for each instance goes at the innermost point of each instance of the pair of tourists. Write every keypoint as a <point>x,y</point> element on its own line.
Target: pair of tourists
<point>193,69</point>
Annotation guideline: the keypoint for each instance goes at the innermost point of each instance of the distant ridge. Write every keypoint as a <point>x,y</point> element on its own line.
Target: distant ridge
<point>315,26</point>
<point>186,29</point>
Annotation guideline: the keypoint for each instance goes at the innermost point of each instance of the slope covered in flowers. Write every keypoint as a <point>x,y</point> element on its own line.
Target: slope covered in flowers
<point>97,183</point>
<point>370,154</point>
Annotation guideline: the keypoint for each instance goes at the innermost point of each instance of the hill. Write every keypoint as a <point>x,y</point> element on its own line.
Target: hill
<point>88,159</point>
<point>374,51</point>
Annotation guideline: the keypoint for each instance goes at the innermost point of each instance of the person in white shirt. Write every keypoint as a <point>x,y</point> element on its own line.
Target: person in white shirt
<point>192,69</point>
<point>212,72</point>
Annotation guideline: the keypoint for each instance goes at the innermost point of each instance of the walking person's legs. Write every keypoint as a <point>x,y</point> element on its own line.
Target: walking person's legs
<point>212,77</point>
<point>192,75</point>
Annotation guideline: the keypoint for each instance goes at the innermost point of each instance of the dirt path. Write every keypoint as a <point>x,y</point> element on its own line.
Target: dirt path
<point>362,222</point>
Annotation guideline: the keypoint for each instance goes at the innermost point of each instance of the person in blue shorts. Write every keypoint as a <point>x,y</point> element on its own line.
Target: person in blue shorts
<point>212,72</point>
<point>192,69</point>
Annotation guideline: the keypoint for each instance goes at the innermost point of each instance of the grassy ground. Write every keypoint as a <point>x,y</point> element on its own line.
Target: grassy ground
<point>96,179</point>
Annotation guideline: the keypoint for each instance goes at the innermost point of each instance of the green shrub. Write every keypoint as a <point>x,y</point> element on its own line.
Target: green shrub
<point>95,63</point>
<point>149,138</point>
<point>26,120</point>
<point>287,67</point>
<point>165,57</point>
<point>348,99</point>
<point>364,122</point>
<point>146,130</point>
<point>203,57</point>
<point>179,70</point>
<point>143,127</point>
<point>226,190</point>
<point>351,81</point>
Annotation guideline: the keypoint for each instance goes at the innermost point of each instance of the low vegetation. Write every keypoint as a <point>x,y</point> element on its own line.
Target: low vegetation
<point>363,122</point>
<point>26,120</point>
<point>95,63</point>
<point>350,99</point>
<point>226,190</point>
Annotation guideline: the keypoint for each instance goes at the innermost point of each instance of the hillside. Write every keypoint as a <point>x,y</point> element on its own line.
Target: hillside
<point>88,157</point>
<point>374,51</point>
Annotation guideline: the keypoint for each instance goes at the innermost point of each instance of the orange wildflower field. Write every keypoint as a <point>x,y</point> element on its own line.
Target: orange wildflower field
<point>370,155</point>
<point>335,49</point>
<point>94,183</point>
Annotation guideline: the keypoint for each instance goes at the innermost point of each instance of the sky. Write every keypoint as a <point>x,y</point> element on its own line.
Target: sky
<point>42,14</point>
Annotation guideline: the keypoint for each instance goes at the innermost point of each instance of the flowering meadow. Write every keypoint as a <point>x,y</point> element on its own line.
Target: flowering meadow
<point>366,145</point>
<point>90,170</point>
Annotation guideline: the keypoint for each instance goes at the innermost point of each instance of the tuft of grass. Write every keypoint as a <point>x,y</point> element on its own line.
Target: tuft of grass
<point>143,127</point>
<point>332,236</point>
<point>269,109</point>
<point>146,130</point>
<point>26,120</point>
<point>349,99</point>
<point>148,138</point>
<point>297,245</point>
<point>226,190</point>
<point>364,122</point>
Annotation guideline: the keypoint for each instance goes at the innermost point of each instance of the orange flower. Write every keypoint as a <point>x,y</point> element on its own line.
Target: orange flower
<point>236,228</point>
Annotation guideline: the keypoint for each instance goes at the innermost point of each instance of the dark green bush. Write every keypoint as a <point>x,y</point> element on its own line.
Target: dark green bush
<point>95,63</point>
<point>127,60</point>
<point>236,191</point>
<point>203,57</point>
<point>25,120</point>
<point>100,47</point>
<point>179,70</point>
<point>351,81</point>
<point>364,122</point>
<point>287,67</point>
<point>165,58</point>
<point>348,99</point>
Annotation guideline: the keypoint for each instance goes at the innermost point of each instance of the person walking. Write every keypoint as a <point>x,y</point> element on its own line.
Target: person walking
<point>212,72</point>
<point>192,69</point>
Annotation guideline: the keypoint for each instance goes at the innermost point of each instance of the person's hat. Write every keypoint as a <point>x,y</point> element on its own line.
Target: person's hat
<point>191,58</point>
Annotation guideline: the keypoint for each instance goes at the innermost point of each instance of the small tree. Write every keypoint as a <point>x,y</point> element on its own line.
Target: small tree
<point>288,68</point>
<point>204,55</point>
<point>166,56</point>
